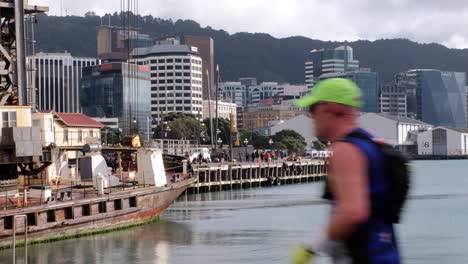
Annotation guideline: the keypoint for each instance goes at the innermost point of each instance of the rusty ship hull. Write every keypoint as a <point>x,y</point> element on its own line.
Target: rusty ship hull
<point>75,218</point>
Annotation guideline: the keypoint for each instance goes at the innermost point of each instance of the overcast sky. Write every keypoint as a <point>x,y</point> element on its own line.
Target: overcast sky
<point>425,21</point>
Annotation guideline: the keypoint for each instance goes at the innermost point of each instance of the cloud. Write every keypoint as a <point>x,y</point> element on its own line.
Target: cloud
<point>420,20</point>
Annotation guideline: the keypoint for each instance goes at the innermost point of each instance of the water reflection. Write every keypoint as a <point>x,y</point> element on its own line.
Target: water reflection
<point>145,244</point>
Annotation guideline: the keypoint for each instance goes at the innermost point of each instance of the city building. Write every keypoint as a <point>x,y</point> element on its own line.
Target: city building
<point>292,90</point>
<point>264,91</point>
<point>118,90</point>
<point>248,81</point>
<point>176,78</point>
<point>225,109</point>
<point>325,61</point>
<point>233,92</point>
<point>56,78</point>
<point>205,47</point>
<point>445,141</point>
<point>258,116</point>
<point>368,82</point>
<point>115,43</point>
<point>393,100</point>
<point>435,97</point>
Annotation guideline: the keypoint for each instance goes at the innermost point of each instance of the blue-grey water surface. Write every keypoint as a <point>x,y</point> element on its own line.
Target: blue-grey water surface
<point>261,226</point>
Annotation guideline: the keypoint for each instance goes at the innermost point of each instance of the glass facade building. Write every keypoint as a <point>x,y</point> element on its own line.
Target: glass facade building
<point>118,90</point>
<point>435,97</point>
<point>440,98</point>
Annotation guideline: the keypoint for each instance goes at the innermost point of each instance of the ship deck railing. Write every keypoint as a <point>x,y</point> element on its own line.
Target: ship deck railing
<point>13,196</point>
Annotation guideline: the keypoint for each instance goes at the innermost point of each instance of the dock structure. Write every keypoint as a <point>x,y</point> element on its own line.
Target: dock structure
<point>217,177</point>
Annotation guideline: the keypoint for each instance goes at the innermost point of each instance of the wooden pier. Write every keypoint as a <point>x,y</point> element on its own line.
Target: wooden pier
<point>217,177</point>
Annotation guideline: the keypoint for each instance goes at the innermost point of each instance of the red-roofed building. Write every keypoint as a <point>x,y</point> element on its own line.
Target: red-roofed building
<point>78,120</point>
<point>67,129</point>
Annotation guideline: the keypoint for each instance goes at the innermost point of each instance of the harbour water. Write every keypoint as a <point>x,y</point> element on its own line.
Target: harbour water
<point>262,225</point>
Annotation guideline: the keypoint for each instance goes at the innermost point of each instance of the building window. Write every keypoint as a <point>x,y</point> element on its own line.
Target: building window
<point>170,67</point>
<point>187,108</point>
<point>178,74</point>
<point>161,60</point>
<point>170,74</point>
<point>91,133</point>
<point>178,67</point>
<point>170,60</point>
<point>187,74</point>
<point>178,108</point>
<point>102,207</point>
<point>65,135</point>
<point>80,135</point>
<point>9,119</point>
<point>186,67</point>
<point>187,88</point>
<point>178,60</point>
<point>186,60</point>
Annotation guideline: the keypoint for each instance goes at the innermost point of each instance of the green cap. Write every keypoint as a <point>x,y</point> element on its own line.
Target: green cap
<point>334,90</point>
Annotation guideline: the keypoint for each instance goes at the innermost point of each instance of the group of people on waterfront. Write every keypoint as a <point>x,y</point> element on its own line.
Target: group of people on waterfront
<point>264,156</point>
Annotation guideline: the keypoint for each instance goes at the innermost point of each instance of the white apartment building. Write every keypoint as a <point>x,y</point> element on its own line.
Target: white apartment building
<point>176,78</point>
<point>55,78</point>
<point>225,109</point>
<point>309,74</point>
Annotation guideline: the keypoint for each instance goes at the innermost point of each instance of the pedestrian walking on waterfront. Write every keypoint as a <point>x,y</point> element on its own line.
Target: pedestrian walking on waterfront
<point>247,156</point>
<point>360,229</point>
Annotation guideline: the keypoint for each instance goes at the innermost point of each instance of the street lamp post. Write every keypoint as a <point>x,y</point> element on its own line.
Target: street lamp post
<point>245,144</point>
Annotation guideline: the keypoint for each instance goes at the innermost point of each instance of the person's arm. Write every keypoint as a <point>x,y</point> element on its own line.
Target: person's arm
<point>349,183</point>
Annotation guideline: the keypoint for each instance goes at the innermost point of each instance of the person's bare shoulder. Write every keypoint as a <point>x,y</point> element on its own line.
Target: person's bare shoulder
<point>346,158</point>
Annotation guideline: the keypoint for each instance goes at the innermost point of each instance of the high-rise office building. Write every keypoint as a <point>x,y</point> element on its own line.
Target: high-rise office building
<point>119,90</point>
<point>115,43</point>
<point>368,82</point>
<point>233,92</point>
<point>435,97</point>
<point>327,61</point>
<point>176,78</point>
<point>393,100</point>
<point>55,79</point>
<point>205,47</point>
<point>264,91</point>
